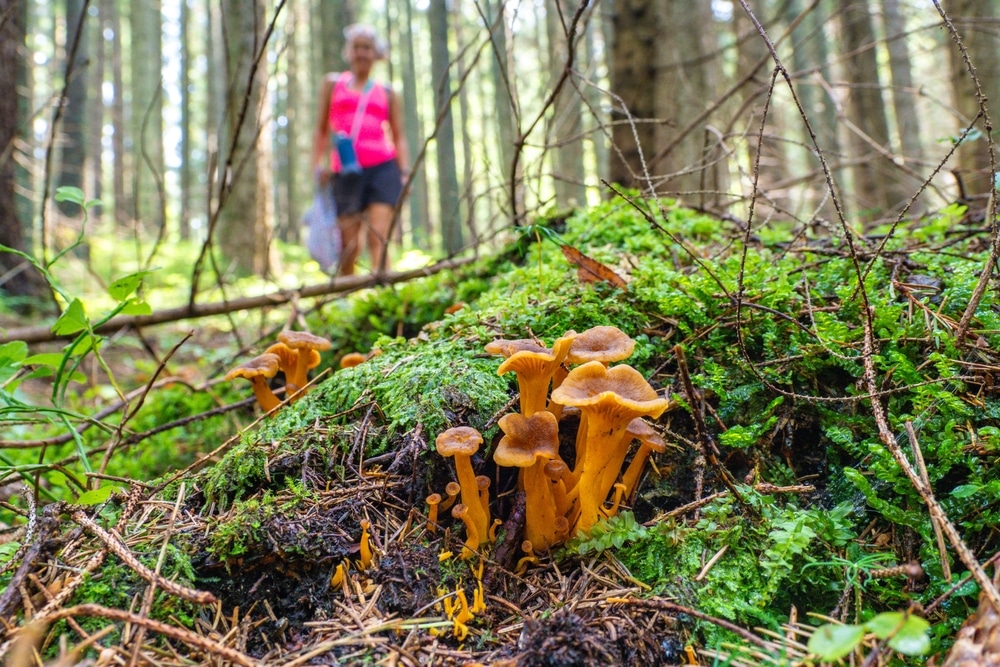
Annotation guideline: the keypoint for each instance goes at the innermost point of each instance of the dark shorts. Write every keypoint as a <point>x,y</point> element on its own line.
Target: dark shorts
<point>381,184</point>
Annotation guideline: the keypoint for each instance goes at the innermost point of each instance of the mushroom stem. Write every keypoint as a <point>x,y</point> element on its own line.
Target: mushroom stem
<point>483,484</point>
<point>472,539</point>
<point>529,557</point>
<point>265,397</point>
<point>634,471</point>
<point>433,501</point>
<point>540,514</point>
<point>470,494</point>
<point>366,545</point>
<point>451,492</point>
<point>616,502</point>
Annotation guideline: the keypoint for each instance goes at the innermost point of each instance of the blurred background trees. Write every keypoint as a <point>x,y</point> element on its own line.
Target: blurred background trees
<point>191,119</point>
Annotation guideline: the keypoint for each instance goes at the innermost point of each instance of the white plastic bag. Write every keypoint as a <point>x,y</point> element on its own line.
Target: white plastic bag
<point>324,235</point>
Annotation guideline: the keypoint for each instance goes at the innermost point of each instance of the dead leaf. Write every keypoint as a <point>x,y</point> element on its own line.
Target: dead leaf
<point>589,270</point>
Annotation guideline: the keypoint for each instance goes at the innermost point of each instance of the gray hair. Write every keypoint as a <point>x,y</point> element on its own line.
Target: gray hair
<point>355,30</point>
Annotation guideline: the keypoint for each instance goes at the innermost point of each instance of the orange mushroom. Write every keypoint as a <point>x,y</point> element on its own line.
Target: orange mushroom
<point>602,343</point>
<point>462,512</point>
<point>259,370</point>
<point>288,359</point>
<point>649,442</point>
<point>534,371</point>
<point>462,442</point>
<point>451,492</point>
<point>609,398</point>
<point>530,443</point>
<point>560,478</point>
<point>303,343</point>
<point>433,501</point>
<point>352,359</point>
<point>507,348</point>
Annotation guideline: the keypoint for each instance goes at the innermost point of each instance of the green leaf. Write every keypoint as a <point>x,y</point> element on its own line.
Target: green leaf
<point>833,642</point>
<point>73,320</point>
<point>966,490</point>
<point>12,355</point>
<point>123,288</point>
<point>96,496</point>
<point>906,633</point>
<point>71,194</point>
<point>52,359</point>
<point>136,307</point>
<point>884,624</point>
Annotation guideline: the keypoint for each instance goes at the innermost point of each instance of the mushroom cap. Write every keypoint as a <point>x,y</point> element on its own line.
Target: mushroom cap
<point>434,499</point>
<point>506,348</point>
<point>528,362</point>
<point>452,489</point>
<point>352,359</point>
<point>298,340</point>
<point>639,430</point>
<point>556,469</point>
<point>594,386</point>
<point>527,439</point>
<point>463,440</point>
<point>603,343</point>
<point>265,365</point>
<point>286,355</point>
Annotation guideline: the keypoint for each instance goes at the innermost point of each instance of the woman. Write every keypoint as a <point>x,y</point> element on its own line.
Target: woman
<point>368,115</point>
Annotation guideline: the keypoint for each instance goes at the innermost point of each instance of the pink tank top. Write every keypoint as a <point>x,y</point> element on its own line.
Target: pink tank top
<point>374,141</point>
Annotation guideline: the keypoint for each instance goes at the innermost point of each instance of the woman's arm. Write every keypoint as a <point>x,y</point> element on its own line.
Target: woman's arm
<point>398,136</point>
<point>321,131</point>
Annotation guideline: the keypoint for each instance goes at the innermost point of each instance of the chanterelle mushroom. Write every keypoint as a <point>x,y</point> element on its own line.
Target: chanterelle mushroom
<point>259,370</point>
<point>530,443</point>
<point>534,371</point>
<point>305,344</point>
<point>462,442</point>
<point>609,398</point>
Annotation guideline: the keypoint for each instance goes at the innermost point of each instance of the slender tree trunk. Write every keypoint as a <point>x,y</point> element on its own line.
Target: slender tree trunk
<point>467,156</point>
<point>146,108</point>
<point>334,16</point>
<point>639,27</point>
<point>109,11</point>
<point>596,32</point>
<point>876,179</point>
<point>976,21</point>
<point>93,184</point>
<point>566,125</point>
<point>298,115</point>
<point>19,277</point>
<point>505,96</point>
<point>448,191</point>
<point>72,132</point>
<point>187,163</point>
<point>244,228</point>
<point>420,224</point>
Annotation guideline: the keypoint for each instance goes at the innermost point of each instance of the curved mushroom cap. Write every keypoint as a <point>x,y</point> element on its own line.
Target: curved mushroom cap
<point>527,439</point>
<point>463,440</point>
<point>506,348</point>
<point>265,365</point>
<point>299,340</point>
<point>286,356</point>
<point>639,430</point>
<point>352,359</point>
<point>604,343</point>
<point>594,386</point>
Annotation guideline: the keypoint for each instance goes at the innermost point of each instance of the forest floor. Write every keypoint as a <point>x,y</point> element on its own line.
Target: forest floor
<point>776,507</point>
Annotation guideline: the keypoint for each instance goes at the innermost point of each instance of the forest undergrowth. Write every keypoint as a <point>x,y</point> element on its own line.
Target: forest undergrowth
<point>800,372</point>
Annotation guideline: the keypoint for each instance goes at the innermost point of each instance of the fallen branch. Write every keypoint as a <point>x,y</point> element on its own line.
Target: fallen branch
<point>193,311</point>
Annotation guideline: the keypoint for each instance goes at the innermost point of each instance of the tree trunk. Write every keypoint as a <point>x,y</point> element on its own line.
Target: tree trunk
<point>187,164</point>
<point>448,191</point>
<point>109,11</point>
<point>93,183</point>
<point>72,132</point>
<point>243,232</point>
<point>146,109</point>
<point>505,94</point>
<point>876,182</point>
<point>297,183</point>
<point>21,279</point>
<point>420,224</point>
<point>565,127</point>
<point>334,16</point>
<point>975,21</point>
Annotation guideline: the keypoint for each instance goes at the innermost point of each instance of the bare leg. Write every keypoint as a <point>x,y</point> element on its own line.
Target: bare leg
<point>350,243</point>
<point>379,221</point>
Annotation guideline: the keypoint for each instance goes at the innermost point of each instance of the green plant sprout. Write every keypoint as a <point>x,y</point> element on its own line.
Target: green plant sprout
<point>905,632</point>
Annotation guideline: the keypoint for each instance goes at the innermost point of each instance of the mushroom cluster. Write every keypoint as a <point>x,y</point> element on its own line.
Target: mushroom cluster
<point>613,402</point>
<point>294,355</point>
